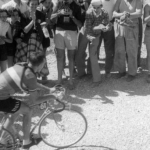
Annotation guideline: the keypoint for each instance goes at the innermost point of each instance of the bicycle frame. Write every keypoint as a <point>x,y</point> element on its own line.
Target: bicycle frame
<point>46,112</point>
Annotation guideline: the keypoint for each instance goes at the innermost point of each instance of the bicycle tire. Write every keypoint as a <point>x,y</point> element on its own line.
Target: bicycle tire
<point>75,125</point>
<point>7,141</point>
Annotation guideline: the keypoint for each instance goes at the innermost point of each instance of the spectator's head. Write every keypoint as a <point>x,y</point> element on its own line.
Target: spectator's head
<point>37,60</point>
<point>15,14</point>
<point>33,4</point>
<point>46,3</point>
<point>3,14</point>
<point>97,5</point>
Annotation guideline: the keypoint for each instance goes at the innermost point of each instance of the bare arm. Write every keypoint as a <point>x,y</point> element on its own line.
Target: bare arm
<point>35,98</point>
<point>9,33</point>
<point>86,5</point>
<point>116,13</point>
<point>138,11</point>
<point>146,18</point>
<point>29,26</point>
<point>55,12</point>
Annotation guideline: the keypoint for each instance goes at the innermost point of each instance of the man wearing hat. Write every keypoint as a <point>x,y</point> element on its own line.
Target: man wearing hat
<point>97,20</point>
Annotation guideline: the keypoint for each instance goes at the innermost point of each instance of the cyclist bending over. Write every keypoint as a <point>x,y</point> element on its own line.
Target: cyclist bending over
<point>19,78</point>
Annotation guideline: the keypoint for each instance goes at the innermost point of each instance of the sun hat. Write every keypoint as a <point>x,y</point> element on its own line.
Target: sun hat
<point>96,2</point>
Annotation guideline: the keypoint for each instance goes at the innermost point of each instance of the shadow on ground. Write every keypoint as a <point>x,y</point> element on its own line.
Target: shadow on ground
<point>84,147</point>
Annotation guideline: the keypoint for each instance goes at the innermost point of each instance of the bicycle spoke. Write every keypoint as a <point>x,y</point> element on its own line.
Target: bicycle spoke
<point>63,129</point>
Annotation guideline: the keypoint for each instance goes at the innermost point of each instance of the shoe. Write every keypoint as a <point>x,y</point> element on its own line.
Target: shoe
<point>120,75</point>
<point>148,79</point>
<point>81,77</point>
<point>95,84</point>
<point>34,141</point>
<point>130,78</point>
<point>139,69</point>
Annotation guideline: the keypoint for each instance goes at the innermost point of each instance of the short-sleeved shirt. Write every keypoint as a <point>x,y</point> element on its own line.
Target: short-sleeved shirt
<point>64,21</point>
<point>109,7</point>
<point>22,7</point>
<point>92,20</point>
<point>10,81</point>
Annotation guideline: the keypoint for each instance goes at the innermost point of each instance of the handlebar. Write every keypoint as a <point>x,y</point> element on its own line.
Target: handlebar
<point>59,89</point>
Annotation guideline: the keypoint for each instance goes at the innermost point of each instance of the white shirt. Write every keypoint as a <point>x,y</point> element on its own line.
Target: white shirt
<point>4,26</point>
<point>22,7</point>
<point>108,5</point>
<point>2,2</point>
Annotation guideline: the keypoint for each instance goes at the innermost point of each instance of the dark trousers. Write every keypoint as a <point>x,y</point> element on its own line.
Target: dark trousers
<point>81,54</point>
<point>109,44</point>
<point>140,42</point>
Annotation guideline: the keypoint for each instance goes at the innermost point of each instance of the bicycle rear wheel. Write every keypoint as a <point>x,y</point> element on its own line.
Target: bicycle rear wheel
<point>7,141</point>
<point>63,129</point>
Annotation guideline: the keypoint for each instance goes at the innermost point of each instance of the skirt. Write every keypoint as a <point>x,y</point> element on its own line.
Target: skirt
<point>24,50</point>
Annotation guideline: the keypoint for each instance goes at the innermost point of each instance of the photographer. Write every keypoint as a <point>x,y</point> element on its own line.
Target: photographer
<point>68,16</point>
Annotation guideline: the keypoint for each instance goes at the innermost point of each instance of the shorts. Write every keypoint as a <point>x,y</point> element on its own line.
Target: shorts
<point>10,49</point>
<point>46,42</point>
<point>66,39</point>
<point>10,105</point>
<point>3,52</point>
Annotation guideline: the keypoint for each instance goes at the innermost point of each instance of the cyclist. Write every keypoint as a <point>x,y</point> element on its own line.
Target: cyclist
<point>20,78</point>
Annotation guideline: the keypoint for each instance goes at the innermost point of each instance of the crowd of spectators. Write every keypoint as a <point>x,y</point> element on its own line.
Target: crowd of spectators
<point>76,25</point>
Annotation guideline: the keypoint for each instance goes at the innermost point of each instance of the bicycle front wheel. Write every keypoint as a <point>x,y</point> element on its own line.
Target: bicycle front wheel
<point>7,141</point>
<point>61,130</point>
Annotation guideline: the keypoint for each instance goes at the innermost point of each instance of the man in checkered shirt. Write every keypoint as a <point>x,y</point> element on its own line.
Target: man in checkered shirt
<point>97,20</point>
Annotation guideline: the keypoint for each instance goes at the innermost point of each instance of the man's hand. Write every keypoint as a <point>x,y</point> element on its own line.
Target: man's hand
<point>90,38</point>
<point>99,27</point>
<point>33,16</point>
<point>62,12</point>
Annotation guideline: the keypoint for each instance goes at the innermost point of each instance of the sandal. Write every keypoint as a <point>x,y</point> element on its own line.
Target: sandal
<point>34,141</point>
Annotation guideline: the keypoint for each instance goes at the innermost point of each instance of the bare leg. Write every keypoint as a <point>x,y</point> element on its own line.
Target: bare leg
<point>60,63</point>
<point>3,65</point>
<point>27,114</point>
<point>10,61</point>
<point>71,58</point>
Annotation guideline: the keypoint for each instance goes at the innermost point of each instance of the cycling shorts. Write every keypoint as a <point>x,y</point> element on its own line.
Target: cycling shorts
<point>10,105</point>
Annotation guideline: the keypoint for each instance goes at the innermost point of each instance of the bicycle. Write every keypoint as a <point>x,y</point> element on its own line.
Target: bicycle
<point>66,125</point>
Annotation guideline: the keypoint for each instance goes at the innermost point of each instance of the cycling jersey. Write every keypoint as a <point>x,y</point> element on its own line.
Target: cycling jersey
<point>10,80</point>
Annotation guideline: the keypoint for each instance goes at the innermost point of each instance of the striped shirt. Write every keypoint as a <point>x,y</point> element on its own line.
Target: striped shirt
<point>92,20</point>
<point>10,81</point>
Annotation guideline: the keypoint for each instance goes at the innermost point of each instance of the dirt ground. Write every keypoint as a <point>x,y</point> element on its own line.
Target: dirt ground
<point>118,112</point>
